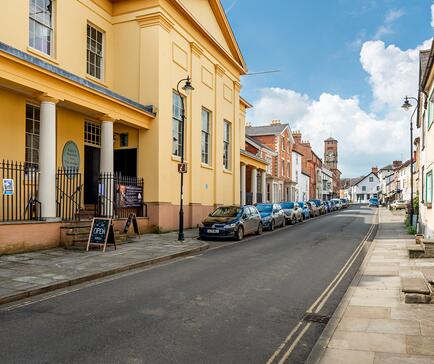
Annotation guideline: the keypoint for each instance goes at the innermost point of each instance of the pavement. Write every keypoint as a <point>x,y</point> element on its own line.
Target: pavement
<point>372,323</point>
<point>236,302</point>
<point>28,274</point>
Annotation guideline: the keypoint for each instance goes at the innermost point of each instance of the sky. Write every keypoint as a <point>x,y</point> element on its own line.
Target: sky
<point>345,67</point>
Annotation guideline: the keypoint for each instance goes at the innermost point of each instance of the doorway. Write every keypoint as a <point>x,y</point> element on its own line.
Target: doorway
<point>91,174</point>
<point>125,162</point>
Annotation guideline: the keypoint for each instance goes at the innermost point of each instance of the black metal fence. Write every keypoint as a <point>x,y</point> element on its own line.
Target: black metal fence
<point>249,198</point>
<point>68,194</point>
<point>119,196</point>
<point>19,192</point>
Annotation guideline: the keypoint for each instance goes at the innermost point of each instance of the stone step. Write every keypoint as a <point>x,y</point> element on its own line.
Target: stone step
<point>415,251</point>
<point>429,248</point>
<point>415,288</point>
<point>429,275</point>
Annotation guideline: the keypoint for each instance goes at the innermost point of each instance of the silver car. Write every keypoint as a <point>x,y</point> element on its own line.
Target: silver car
<point>293,213</point>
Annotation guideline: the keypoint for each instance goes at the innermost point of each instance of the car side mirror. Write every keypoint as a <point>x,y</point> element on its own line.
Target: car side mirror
<point>244,216</point>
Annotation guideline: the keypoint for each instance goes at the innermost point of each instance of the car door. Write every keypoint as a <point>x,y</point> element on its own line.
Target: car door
<point>246,219</point>
<point>255,219</point>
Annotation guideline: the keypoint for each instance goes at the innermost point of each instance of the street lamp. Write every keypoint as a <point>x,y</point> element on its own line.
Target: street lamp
<point>188,88</point>
<point>407,106</point>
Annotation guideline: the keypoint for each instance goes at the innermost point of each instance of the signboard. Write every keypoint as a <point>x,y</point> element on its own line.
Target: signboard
<point>129,196</point>
<point>182,167</point>
<point>8,186</point>
<point>131,219</point>
<point>71,156</point>
<point>101,233</point>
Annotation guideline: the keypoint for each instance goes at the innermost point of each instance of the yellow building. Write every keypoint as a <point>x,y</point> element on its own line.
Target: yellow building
<point>91,84</point>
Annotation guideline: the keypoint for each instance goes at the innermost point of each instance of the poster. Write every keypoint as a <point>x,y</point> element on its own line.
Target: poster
<point>8,186</point>
<point>130,196</point>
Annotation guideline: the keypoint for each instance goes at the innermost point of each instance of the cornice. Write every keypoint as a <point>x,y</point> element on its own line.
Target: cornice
<point>237,86</point>
<point>155,18</point>
<point>44,97</point>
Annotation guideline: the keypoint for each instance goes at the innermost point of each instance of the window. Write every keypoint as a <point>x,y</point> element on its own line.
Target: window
<point>423,184</point>
<point>269,161</point>
<point>288,168</point>
<point>283,168</point>
<point>92,133</point>
<point>95,51</point>
<point>226,144</point>
<point>371,179</point>
<point>32,137</point>
<point>177,142</point>
<point>363,188</point>
<point>430,110</point>
<point>41,25</point>
<point>429,188</point>
<point>206,131</point>
<point>283,144</point>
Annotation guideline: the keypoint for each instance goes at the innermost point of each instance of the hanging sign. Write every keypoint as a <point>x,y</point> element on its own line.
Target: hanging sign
<point>129,196</point>
<point>131,219</point>
<point>8,186</point>
<point>101,233</point>
<point>70,156</point>
<point>182,167</point>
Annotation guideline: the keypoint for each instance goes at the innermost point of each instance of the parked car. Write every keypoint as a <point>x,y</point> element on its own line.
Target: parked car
<point>373,202</point>
<point>328,206</point>
<point>337,202</point>
<point>272,215</point>
<point>399,205</point>
<point>304,210</point>
<point>231,221</point>
<point>319,204</point>
<point>345,203</point>
<point>313,209</point>
<point>293,212</point>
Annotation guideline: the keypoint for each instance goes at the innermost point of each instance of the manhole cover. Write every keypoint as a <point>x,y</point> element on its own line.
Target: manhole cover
<point>316,317</point>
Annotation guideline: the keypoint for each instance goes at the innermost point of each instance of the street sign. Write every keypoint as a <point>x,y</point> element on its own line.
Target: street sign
<point>101,233</point>
<point>131,219</point>
<point>182,167</point>
<point>8,186</point>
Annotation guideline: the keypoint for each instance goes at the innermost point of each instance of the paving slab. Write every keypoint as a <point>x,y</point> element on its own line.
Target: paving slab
<point>23,275</point>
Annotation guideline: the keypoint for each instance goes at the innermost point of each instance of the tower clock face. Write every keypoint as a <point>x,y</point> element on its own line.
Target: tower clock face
<point>330,156</point>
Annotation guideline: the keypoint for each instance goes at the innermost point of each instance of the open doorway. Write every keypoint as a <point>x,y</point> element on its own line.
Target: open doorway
<point>91,174</point>
<point>125,162</point>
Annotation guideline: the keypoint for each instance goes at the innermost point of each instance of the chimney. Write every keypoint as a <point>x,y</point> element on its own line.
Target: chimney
<point>396,164</point>
<point>248,123</point>
<point>275,122</point>
<point>375,169</point>
<point>297,136</point>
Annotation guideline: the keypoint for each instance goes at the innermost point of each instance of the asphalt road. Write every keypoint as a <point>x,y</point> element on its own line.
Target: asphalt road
<point>235,303</point>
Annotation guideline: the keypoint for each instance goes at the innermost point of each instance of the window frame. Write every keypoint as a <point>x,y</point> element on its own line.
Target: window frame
<point>180,144</point>
<point>206,145</point>
<point>33,135</point>
<point>429,189</point>
<point>88,51</point>
<point>227,141</point>
<point>92,133</point>
<point>33,20</point>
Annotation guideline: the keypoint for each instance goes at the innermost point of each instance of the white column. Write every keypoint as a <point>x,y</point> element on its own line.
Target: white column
<point>243,184</point>
<point>47,158</point>
<point>106,166</point>
<point>254,185</point>
<point>264,186</point>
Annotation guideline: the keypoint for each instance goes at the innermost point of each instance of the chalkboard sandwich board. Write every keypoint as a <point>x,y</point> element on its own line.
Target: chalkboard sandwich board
<point>101,233</point>
<point>131,219</point>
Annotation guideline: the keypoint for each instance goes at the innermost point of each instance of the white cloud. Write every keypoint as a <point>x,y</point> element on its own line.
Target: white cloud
<point>389,19</point>
<point>365,138</point>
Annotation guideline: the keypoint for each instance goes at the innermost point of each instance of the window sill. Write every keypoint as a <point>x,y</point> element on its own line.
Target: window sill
<point>96,80</point>
<point>206,166</point>
<point>227,171</point>
<point>177,159</point>
<point>43,55</point>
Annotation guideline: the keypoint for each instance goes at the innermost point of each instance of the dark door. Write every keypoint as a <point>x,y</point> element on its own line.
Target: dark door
<point>91,173</point>
<point>125,162</point>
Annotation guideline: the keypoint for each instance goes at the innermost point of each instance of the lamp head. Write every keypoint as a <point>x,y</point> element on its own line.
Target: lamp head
<point>188,88</point>
<point>406,105</point>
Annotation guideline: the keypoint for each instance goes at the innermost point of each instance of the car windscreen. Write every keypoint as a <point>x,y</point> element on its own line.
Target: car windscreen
<point>264,208</point>
<point>287,205</point>
<point>301,204</point>
<point>230,211</point>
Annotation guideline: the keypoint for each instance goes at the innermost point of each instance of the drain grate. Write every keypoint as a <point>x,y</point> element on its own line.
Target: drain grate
<point>316,317</point>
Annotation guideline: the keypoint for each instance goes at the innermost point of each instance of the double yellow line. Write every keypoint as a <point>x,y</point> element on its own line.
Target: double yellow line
<point>318,304</point>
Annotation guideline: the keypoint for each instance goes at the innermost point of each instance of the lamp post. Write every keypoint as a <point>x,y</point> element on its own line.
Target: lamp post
<point>181,168</point>
<point>407,106</point>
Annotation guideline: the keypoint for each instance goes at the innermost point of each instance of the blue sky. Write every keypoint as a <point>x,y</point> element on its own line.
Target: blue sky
<point>317,45</point>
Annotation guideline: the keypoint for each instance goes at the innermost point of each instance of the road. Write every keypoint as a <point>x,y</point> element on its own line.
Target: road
<point>235,303</point>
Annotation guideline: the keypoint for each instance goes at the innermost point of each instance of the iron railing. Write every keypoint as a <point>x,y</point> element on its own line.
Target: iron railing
<point>119,196</point>
<point>19,192</point>
<point>68,194</point>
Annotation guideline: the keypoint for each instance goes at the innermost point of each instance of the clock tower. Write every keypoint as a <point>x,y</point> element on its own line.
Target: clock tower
<point>331,153</point>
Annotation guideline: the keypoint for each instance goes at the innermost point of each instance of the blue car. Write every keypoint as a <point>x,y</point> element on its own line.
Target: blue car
<point>304,209</point>
<point>373,202</point>
<point>272,215</point>
<point>327,206</point>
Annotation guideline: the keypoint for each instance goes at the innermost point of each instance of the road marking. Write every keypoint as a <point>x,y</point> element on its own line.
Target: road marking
<point>321,300</point>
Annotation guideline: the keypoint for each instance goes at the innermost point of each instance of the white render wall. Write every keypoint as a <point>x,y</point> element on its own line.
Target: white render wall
<point>296,175</point>
<point>304,188</point>
<point>371,188</point>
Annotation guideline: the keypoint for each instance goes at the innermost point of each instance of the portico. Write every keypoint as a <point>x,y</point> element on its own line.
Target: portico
<point>253,178</point>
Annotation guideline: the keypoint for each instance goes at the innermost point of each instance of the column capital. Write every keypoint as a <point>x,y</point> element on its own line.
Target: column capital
<point>196,49</point>
<point>219,70</point>
<point>237,86</point>
<point>44,97</point>
<point>155,18</point>
<point>106,118</point>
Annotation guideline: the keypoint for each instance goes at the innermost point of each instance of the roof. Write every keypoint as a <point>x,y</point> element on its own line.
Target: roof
<point>247,104</point>
<point>423,63</point>
<point>428,68</point>
<point>258,143</point>
<point>330,140</point>
<point>389,166</point>
<point>360,179</point>
<point>273,129</point>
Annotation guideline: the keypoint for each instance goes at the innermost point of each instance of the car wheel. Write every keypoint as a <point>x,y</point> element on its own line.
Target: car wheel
<point>260,229</point>
<point>240,233</point>
<point>294,220</point>
<point>284,222</point>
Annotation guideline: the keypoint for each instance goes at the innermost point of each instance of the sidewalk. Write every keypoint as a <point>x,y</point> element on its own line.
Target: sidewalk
<point>28,274</point>
<point>373,324</point>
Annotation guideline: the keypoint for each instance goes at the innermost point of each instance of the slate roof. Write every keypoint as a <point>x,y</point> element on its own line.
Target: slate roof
<point>423,62</point>
<point>274,129</point>
<point>256,141</point>
<point>330,140</point>
<point>389,166</point>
